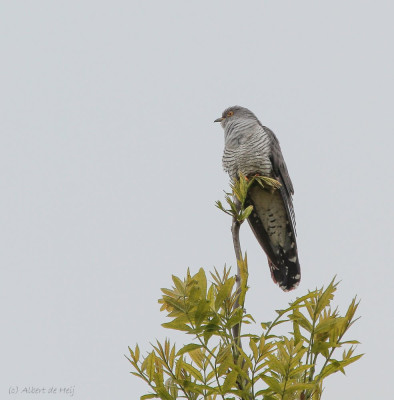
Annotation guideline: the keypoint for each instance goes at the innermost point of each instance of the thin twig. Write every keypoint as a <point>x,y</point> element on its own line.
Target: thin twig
<point>235,227</point>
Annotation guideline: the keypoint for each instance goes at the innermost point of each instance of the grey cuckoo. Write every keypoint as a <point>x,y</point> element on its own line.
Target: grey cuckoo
<point>253,149</point>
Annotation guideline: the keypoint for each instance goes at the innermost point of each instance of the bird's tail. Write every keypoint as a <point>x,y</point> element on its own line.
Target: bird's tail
<point>286,271</point>
<point>273,227</point>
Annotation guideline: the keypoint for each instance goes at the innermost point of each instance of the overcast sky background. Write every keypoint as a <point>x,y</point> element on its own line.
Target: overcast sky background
<point>111,164</point>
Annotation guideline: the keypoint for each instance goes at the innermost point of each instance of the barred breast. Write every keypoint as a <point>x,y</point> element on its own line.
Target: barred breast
<point>247,152</point>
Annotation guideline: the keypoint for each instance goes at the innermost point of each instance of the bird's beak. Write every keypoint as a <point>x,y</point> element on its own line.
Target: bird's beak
<point>219,119</point>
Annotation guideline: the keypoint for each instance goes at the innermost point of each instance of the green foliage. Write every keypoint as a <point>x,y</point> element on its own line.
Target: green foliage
<point>271,366</point>
<point>214,365</point>
<point>240,189</point>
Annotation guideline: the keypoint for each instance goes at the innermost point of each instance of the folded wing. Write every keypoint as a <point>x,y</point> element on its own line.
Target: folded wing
<point>273,223</point>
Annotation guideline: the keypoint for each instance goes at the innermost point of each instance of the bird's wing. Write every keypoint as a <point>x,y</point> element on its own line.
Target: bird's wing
<point>272,221</point>
<point>281,174</point>
<point>278,163</point>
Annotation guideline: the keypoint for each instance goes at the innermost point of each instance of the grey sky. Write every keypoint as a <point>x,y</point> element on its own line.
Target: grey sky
<point>111,164</point>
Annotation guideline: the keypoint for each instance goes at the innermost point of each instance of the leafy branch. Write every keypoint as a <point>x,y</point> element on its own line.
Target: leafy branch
<point>215,364</point>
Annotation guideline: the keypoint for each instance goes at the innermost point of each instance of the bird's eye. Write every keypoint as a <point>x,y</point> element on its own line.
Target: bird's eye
<point>230,113</point>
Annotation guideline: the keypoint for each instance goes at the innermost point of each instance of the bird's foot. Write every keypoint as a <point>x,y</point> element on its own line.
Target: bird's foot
<point>248,178</point>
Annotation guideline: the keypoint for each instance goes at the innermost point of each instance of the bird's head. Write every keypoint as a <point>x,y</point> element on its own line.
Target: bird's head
<point>234,115</point>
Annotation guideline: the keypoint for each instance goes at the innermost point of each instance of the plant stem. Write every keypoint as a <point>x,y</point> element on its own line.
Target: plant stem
<point>235,227</point>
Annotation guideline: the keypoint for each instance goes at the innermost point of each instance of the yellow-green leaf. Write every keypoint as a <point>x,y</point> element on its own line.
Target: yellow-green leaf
<point>178,324</point>
<point>202,312</point>
<point>224,292</point>
<point>150,365</point>
<point>230,381</point>
<point>254,349</point>
<point>194,372</point>
<point>171,359</point>
<point>246,213</point>
<point>148,396</point>
<point>274,385</point>
<point>178,284</point>
<point>189,347</point>
<point>198,357</point>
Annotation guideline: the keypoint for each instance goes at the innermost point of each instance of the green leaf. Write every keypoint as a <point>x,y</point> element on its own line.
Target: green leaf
<point>266,394</point>
<point>297,302</point>
<point>350,342</point>
<point>267,182</point>
<point>224,292</point>
<point>194,372</point>
<point>177,324</point>
<point>148,396</point>
<point>326,297</point>
<point>169,292</point>
<point>277,365</point>
<point>211,375</point>
<point>352,309</point>
<point>175,303</point>
<point>201,278</point>
<point>248,318</point>
<point>297,354</point>
<point>198,357</point>
<point>323,347</point>
<point>189,347</point>
<point>225,365</point>
<point>265,347</point>
<point>336,366</point>
<point>150,365</point>
<point>171,359</point>
<point>178,284</point>
<point>351,360</point>
<point>202,312</point>
<point>223,354</point>
<point>230,381</point>
<point>245,213</point>
<point>243,270</point>
<point>164,394</point>
<point>254,349</point>
<point>265,325</point>
<point>274,385</point>
<point>297,387</point>
<point>137,352</point>
<point>234,210</point>
<point>301,320</point>
<point>178,367</point>
<point>299,370</point>
<point>211,296</point>
<point>132,355</point>
<point>245,358</point>
<point>219,205</point>
<point>296,332</point>
<point>235,319</point>
<point>325,325</point>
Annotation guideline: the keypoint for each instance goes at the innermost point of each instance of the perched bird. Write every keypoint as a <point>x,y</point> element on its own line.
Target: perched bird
<point>253,149</point>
